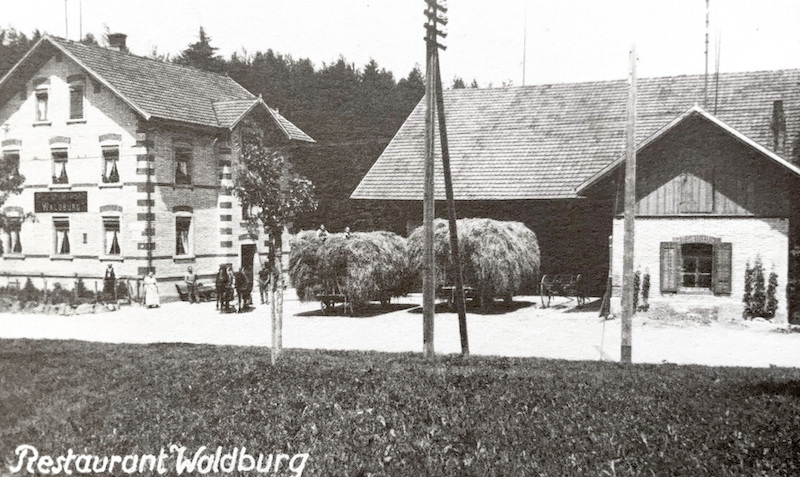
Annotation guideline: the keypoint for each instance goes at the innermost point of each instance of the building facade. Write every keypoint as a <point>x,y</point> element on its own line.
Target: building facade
<point>127,161</point>
<point>709,203</point>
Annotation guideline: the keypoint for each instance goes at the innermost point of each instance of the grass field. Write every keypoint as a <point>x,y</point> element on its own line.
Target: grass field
<point>365,414</point>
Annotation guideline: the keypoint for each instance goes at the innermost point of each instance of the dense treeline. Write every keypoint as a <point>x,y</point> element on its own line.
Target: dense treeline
<point>351,112</point>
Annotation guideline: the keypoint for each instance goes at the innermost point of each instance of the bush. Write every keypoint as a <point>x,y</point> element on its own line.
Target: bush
<point>59,294</point>
<point>760,301</point>
<point>772,299</point>
<point>29,293</point>
<point>637,280</point>
<point>646,291</point>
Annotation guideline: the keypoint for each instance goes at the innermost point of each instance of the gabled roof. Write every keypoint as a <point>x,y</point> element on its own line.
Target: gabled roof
<point>231,112</point>
<point>155,89</point>
<point>543,141</point>
<point>695,111</point>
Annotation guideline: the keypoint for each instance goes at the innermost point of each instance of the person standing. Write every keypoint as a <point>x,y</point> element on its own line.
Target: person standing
<point>151,299</point>
<point>191,285</point>
<point>109,284</point>
<point>263,283</point>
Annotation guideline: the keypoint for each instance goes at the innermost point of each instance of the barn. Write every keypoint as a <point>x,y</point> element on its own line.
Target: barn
<point>549,156</point>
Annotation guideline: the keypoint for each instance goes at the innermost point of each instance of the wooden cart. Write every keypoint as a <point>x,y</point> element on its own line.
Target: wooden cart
<point>567,285</point>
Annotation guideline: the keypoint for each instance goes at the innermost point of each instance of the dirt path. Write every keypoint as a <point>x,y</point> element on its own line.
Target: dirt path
<point>527,330</point>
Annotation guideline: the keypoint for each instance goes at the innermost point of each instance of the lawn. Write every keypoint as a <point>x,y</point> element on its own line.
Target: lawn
<point>359,413</point>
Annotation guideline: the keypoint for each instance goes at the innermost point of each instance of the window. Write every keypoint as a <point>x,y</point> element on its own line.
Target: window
<point>41,104</point>
<point>76,101</point>
<point>60,158</point>
<point>14,227</point>
<point>61,226</point>
<point>183,243</point>
<point>10,163</point>
<point>111,235</point>
<point>183,159</point>
<point>110,159</point>
<point>696,263</point>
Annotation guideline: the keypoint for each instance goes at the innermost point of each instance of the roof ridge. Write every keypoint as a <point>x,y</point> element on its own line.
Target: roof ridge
<point>620,80</point>
<point>128,54</point>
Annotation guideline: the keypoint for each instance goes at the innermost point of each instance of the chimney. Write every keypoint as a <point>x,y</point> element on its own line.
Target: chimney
<point>778,126</point>
<point>116,41</point>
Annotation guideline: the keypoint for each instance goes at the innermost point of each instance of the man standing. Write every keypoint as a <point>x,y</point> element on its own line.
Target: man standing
<point>109,284</point>
<point>263,283</point>
<point>191,285</point>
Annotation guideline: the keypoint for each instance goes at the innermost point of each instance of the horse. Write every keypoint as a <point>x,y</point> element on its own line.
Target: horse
<point>244,288</point>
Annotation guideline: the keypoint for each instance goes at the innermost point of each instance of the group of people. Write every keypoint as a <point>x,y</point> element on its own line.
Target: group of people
<point>322,232</point>
<point>229,285</point>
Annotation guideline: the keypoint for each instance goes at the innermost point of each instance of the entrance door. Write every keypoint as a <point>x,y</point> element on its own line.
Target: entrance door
<point>248,253</point>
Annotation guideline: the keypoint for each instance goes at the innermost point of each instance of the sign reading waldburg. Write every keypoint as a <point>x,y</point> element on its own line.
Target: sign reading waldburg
<point>60,202</point>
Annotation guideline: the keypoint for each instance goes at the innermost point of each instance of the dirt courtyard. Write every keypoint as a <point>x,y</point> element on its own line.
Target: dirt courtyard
<point>523,329</point>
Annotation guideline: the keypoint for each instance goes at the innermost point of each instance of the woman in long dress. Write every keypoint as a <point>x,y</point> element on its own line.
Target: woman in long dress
<point>151,291</point>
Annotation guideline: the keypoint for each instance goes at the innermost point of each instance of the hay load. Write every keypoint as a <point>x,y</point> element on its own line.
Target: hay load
<point>366,266</point>
<point>499,259</point>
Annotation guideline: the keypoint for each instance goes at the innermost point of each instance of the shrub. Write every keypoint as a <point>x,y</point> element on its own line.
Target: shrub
<point>760,301</point>
<point>29,293</point>
<point>646,290</point>
<point>772,299</point>
<point>637,281</point>
<point>748,291</point>
<point>59,294</point>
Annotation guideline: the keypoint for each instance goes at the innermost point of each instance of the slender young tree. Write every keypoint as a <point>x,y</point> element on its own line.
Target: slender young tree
<point>265,184</point>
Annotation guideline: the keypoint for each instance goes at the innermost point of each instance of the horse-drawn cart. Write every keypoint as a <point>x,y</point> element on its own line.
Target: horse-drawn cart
<point>567,285</point>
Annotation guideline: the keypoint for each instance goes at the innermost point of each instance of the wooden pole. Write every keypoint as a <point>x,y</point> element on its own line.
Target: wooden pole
<point>451,212</point>
<point>630,205</point>
<point>429,207</point>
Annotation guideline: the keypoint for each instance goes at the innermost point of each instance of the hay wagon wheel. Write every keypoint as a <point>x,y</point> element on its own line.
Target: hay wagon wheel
<point>545,293</point>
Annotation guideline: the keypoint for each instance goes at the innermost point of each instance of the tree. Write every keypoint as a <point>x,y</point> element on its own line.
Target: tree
<point>89,39</point>
<point>458,83</point>
<point>202,55</point>
<point>265,184</point>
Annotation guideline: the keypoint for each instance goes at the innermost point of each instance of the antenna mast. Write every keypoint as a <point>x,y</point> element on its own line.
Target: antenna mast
<point>66,22</point>
<point>705,97</point>
<point>524,42</point>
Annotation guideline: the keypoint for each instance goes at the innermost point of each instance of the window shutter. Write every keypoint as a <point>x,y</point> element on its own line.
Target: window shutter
<point>669,267</point>
<point>722,268</point>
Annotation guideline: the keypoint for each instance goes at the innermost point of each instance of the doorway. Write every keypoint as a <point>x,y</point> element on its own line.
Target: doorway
<point>248,253</point>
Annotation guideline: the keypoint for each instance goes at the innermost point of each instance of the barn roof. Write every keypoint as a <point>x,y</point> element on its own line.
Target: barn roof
<point>543,141</point>
<point>152,88</point>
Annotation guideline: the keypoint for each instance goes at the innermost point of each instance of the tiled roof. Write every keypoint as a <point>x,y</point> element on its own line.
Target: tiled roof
<point>165,90</point>
<point>540,142</point>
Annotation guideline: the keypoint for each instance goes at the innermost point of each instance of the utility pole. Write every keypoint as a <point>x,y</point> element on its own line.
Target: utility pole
<point>630,206</point>
<point>428,199</point>
<point>66,21</point>
<point>461,307</point>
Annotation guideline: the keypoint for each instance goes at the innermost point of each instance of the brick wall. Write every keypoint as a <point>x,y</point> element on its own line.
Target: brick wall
<point>749,236</point>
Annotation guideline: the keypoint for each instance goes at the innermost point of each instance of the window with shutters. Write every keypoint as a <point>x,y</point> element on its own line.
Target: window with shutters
<point>693,266</point>
<point>13,227</point>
